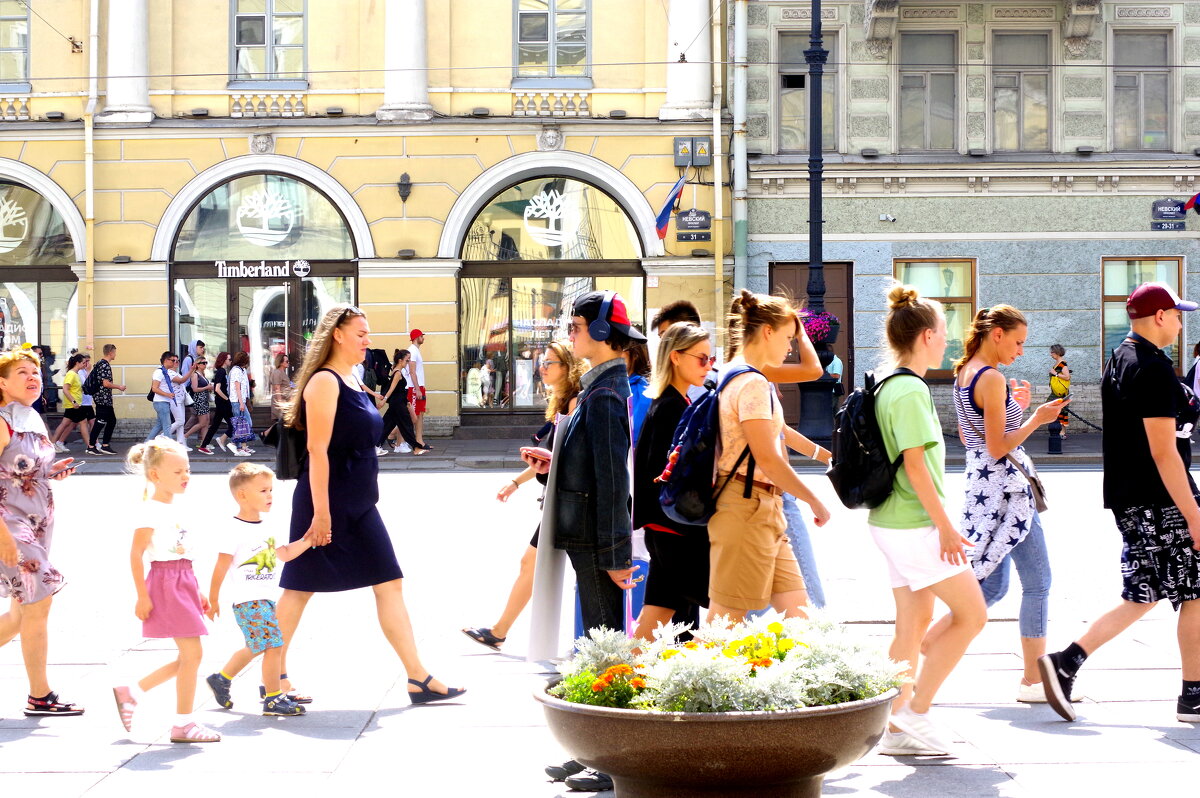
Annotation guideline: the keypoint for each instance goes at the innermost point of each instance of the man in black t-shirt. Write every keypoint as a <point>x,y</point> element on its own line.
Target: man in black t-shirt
<point>1148,419</point>
<point>106,417</point>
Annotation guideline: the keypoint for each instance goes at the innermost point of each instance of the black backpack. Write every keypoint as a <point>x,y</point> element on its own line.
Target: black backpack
<point>860,470</point>
<point>92,384</point>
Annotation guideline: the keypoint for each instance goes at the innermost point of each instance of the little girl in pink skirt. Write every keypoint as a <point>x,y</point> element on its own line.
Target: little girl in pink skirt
<point>169,601</point>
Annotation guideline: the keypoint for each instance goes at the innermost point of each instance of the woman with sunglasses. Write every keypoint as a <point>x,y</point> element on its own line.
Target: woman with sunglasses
<point>677,586</point>
<point>561,373</point>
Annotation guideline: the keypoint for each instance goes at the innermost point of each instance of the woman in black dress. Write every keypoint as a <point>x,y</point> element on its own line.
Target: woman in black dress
<point>678,582</point>
<point>334,504</point>
<point>222,410</point>
<point>397,416</point>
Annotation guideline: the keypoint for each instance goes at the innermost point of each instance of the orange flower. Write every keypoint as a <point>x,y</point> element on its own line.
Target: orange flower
<point>691,644</point>
<point>637,682</point>
<point>619,670</point>
<point>765,662</point>
<point>598,685</point>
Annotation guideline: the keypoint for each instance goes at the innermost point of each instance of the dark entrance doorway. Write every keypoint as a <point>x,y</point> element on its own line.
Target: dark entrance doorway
<point>792,278</point>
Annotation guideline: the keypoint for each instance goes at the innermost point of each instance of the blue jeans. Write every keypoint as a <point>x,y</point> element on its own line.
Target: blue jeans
<point>162,420</point>
<point>601,602</point>
<point>1033,567</point>
<point>797,532</point>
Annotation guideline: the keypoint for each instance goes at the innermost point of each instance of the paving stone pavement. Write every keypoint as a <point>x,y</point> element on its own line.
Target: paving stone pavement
<point>459,548</point>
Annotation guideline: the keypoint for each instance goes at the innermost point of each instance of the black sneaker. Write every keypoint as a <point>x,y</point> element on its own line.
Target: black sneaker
<point>591,781</point>
<point>566,769</point>
<point>220,689</point>
<point>1058,684</point>
<point>104,448</point>
<point>92,451</point>
<point>1188,709</point>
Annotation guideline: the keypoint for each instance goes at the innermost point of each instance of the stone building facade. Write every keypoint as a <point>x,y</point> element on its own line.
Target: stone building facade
<point>226,169</point>
<point>990,152</point>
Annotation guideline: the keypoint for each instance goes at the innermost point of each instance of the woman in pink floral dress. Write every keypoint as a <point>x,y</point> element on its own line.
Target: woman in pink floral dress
<point>27,577</point>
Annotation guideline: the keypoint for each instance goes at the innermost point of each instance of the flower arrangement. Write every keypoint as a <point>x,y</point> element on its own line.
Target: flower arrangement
<point>817,325</point>
<point>762,664</point>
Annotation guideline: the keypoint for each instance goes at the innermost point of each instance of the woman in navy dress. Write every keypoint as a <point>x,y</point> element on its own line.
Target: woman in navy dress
<point>334,504</point>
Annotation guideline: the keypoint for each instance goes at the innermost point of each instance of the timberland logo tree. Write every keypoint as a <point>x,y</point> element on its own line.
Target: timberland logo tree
<point>547,205</point>
<point>14,225</point>
<point>265,218</point>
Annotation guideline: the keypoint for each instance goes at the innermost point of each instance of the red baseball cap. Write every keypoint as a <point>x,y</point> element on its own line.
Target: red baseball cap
<point>1149,298</point>
<point>414,334</point>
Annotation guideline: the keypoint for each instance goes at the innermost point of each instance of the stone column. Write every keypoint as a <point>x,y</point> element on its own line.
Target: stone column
<point>127,88</point>
<point>406,82</point>
<point>689,84</point>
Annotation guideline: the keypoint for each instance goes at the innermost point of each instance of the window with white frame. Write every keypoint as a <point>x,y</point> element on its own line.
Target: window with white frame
<point>14,42</point>
<point>951,281</point>
<point>928,91</point>
<point>1141,91</point>
<point>793,95</point>
<point>552,38</point>
<point>1021,92</point>
<point>268,40</point>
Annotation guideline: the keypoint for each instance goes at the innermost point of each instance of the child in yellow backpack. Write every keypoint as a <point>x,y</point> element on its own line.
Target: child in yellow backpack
<point>250,548</point>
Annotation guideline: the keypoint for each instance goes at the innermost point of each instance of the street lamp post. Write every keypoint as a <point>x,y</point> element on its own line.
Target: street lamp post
<point>816,397</point>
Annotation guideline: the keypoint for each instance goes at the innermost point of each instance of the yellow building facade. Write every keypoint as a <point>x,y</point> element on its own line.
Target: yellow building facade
<point>226,169</point>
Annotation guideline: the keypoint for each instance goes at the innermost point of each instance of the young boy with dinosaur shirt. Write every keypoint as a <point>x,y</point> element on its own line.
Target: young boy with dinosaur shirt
<point>250,548</point>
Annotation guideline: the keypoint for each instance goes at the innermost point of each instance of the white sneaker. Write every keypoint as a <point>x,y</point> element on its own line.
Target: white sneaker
<point>241,453</point>
<point>404,448</point>
<point>231,447</point>
<point>902,744</point>
<point>58,447</point>
<point>1031,693</point>
<point>920,728</point>
<point>379,450</point>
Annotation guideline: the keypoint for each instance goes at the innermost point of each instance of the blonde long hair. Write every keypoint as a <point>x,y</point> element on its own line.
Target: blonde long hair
<point>560,401</point>
<point>680,336</point>
<point>316,356</point>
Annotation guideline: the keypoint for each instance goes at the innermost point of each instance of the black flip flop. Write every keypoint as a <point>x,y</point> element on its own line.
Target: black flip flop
<point>484,637</point>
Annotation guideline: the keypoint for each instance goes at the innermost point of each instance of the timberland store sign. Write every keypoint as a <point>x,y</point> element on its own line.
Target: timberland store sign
<point>263,268</point>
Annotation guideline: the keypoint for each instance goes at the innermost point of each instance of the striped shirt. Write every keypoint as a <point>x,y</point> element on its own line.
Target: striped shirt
<point>970,415</point>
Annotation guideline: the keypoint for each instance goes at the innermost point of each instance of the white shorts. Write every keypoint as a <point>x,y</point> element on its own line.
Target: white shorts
<point>914,556</point>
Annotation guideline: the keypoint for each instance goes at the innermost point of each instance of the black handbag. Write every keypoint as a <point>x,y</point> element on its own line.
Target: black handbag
<point>291,449</point>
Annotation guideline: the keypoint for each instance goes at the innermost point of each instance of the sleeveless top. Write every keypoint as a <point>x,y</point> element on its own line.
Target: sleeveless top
<point>970,415</point>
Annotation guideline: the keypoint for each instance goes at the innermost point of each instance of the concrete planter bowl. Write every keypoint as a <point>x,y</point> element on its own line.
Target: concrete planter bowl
<point>726,754</point>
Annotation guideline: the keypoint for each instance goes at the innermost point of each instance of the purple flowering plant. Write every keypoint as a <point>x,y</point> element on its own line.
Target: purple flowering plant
<point>817,325</point>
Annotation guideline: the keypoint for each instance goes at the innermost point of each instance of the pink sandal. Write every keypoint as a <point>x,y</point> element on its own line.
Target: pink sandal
<point>126,704</point>
<point>194,733</point>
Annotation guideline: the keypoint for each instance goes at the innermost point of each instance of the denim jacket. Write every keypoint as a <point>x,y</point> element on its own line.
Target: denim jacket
<point>592,499</point>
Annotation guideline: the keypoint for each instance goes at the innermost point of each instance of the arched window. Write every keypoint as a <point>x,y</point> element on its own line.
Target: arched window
<point>263,217</point>
<point>551,219</point>
<point>37,291</point>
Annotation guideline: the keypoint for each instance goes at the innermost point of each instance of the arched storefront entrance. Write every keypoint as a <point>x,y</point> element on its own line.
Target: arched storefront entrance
<point>254,265</point>
<point>38,293</point>
<point>529,252</point>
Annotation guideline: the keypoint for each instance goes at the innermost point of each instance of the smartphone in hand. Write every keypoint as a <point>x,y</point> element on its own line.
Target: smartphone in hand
<point>537,453</point>
<point>71,467</point>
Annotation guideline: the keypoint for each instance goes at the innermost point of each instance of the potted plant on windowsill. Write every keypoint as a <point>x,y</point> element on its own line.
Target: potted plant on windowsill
<point>767,707</point>
<point>822,327</point>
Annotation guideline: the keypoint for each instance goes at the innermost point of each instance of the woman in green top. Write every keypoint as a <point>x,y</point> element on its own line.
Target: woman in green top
<point>923,549</point>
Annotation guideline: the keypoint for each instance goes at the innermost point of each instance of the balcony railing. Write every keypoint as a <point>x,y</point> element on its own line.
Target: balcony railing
<point>14,109</point>
<point>536,102</point>
<point>256,104</point>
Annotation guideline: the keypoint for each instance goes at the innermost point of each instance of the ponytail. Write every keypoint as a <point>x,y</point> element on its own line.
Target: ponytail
<point>1003,317</point>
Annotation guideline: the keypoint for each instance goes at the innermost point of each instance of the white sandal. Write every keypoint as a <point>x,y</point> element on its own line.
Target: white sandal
<point>194,733</point>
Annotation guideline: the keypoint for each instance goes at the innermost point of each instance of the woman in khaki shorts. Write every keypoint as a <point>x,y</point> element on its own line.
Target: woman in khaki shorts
<point>751,562</point>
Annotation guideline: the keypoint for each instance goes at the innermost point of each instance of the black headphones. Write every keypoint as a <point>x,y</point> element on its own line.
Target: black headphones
<point>600,329</point>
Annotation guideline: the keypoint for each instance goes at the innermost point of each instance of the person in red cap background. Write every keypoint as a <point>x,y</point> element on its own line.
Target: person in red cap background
<point>1148,419</point>
<point>416,390</point>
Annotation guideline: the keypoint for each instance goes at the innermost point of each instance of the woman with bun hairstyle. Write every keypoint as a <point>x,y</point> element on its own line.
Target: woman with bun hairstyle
<point>27,576</point>
<point>678,582</point>
<point>999,514</point>
<point>923,549</point>
<point>751,561</point>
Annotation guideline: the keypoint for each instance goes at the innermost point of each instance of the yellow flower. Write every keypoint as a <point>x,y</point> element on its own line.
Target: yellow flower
<point>775,628</point>
<point>668,653</point>
<point>786,644</point>
<point>691,645</point>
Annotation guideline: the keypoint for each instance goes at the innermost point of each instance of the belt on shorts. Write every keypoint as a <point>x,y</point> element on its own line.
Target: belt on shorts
<point>774,490</point>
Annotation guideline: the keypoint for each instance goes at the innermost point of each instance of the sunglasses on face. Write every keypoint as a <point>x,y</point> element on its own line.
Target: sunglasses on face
<point>546,363</point>
<point>705,360</point>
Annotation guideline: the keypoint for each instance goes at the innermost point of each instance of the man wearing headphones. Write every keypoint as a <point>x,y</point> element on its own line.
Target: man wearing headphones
<point>592,504</point>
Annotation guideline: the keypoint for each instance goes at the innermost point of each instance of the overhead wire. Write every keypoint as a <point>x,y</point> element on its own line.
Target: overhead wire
<point>49,25</point>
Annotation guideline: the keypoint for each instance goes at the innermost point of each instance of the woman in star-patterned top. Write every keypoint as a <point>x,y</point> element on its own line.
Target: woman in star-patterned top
<point>999,514</point>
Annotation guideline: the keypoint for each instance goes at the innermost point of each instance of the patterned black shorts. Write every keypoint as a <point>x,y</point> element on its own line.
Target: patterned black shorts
<point>1157,560</point>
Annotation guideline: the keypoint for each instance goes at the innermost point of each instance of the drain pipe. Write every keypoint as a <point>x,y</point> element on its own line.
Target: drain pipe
<point>740,68</point>
<point>89,179</point>
<point>718,78</point>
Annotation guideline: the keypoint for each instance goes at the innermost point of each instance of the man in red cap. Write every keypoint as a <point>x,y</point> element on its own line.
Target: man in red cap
<point>1148,419</point>
<point>416,391</point>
